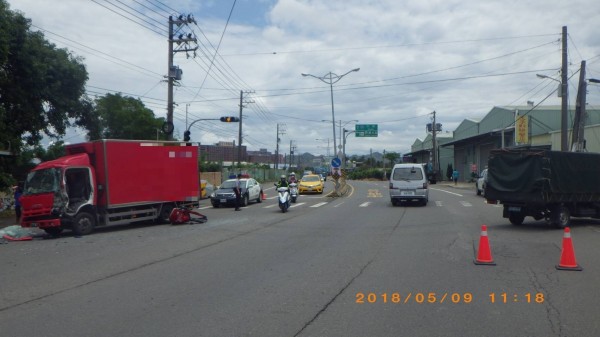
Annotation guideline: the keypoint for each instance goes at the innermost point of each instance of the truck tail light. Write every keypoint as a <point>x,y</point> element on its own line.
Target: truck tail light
<point>424,186</point>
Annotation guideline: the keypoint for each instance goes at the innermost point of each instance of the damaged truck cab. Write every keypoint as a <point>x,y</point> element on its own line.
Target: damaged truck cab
<point>60,192</point>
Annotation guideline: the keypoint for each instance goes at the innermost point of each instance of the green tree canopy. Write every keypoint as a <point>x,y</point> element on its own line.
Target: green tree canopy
<point>42,87</point>
<point>42,92</point>
<point>122,117</point>
<point>392,157</point>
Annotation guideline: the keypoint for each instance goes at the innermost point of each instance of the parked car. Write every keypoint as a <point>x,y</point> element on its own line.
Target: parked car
<point>408,182</point>
<point>311,183</point>
<point>481,182</point>
<point>224,195</point>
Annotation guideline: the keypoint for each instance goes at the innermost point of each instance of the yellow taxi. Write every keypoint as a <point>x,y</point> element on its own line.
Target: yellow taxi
<point>311,183</point>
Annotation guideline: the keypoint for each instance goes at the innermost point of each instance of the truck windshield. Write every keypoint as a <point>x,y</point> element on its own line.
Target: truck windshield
<point>42,181</point>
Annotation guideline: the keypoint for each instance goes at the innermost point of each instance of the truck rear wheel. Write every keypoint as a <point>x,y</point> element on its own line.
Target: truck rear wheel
<point>561,216</point>
<point>165,212</point>
<point>83,224</point>
<point>516,219</point>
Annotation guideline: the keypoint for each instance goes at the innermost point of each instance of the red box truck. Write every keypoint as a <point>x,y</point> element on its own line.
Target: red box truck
<point>109,182</point>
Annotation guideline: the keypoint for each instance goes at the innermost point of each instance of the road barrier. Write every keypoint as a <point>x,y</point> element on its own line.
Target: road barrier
<point>567,255</point>
<point>484,254</point>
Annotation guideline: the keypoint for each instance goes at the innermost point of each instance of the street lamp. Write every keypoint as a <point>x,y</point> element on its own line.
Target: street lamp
<point>325,139</point>
<point>331,78</point>
<point>340,123</point>
<point>346,133</point>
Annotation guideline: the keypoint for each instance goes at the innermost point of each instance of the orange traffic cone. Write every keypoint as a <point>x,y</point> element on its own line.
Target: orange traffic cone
<point>567,256</point>
<point>484,254</point>
<point>263,196</point>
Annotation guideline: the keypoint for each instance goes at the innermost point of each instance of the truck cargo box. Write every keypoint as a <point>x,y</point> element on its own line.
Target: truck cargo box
<point>138,172</point>
<point>543,176</point>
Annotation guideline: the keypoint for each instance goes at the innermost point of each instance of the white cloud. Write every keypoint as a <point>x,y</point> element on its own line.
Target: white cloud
<point>404,50</point>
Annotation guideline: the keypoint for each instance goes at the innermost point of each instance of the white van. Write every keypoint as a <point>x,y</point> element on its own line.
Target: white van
<point>408,182</point>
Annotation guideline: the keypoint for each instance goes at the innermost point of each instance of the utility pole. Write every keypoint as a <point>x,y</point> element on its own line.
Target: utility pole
<point>433,142</point>
<point>577,140</point>
<point>239,152</point>
<point>564,146</point>
<point>174,73</point>
<point>292,148</point>
<point>384,174</point>
<point>280,131</point>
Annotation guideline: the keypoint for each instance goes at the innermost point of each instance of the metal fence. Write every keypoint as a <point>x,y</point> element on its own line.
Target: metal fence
<point>260,174</point>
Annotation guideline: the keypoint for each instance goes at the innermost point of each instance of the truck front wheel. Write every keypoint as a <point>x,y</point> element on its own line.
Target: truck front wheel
<point>516,219</point>
<point>83,224</point>
<point>53,231</point>
<point>561,216</point>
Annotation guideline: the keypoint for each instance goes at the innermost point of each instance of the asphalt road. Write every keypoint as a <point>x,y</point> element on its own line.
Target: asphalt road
<point>353,266</point>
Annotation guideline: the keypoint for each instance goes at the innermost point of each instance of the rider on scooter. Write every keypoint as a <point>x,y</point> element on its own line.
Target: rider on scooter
<point>293,178</point>
<point>282,182</point>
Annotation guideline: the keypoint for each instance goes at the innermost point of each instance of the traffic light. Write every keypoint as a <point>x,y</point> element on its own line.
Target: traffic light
<point>186,136</point>
<point>229,119</point>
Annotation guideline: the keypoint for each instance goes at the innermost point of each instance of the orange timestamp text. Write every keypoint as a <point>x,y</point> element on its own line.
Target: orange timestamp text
<point>419,297</point>
<point>445,297</point>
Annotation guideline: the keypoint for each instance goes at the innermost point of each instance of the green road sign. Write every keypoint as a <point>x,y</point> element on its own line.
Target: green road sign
<point>365,130</point>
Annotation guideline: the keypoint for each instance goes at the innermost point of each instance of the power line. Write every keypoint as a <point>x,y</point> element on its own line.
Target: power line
<point>107,57</point>
<point>216,49</point>
<point>153,29</point>
<point>390,46</point>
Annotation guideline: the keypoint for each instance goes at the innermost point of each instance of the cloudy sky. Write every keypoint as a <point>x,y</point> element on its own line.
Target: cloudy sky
<point>457,57</point>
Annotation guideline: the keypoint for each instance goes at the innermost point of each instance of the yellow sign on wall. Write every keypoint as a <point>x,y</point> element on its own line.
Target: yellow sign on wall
<point>522,129</point>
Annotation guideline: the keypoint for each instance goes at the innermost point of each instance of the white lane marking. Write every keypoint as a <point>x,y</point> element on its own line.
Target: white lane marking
<point>273,205</point>
<point>339,204</point>
<point>319,204</point>
<point>465,203</point>
<point>439,203</point>
<point>364,204</point>
<point>297,204</point>
<point>437,189</point>
<point>205,207</point>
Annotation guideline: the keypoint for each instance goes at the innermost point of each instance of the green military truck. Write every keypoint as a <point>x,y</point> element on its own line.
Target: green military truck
<point>544,184</point>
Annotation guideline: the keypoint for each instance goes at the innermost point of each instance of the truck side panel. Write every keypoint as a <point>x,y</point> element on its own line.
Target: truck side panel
<point>138,172</point>
<point>543,176</point>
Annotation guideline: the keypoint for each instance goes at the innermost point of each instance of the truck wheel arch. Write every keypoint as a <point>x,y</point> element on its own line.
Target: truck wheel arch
<point>165,212</point>
<point>83,223</point>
